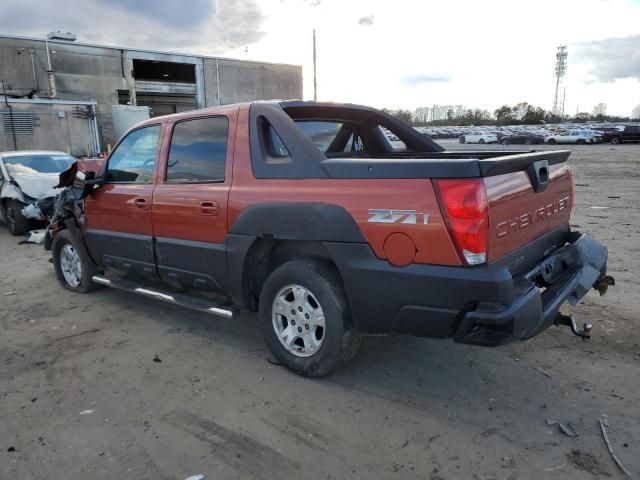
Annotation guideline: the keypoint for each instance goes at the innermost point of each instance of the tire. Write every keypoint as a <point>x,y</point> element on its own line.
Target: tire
<point>307,291</point>
<point>17,224</point>
<point>481,140</point>
<point>552,141</point>
<point>581,141</point>
<point>461,140</point>
<point>73,274</point>
<point>615,140</point>
<point>505,142</point>
<point>528,141</point>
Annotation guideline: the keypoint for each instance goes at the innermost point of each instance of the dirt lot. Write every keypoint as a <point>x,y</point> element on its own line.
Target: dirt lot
<point>82,398</point>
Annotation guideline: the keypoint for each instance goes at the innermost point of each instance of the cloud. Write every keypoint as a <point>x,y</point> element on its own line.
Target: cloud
<point>366,20</point>
<point>168,12</point>
<point>415,80</point>
<point>200,26</point>
<point>611,58</point>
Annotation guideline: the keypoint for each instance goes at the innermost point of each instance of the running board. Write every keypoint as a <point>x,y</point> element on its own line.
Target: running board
<point>169,297</point>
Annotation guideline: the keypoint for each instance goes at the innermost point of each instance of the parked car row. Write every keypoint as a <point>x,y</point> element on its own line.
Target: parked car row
<point>538,134</point>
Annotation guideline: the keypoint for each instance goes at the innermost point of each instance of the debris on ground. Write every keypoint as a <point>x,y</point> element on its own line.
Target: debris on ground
<point>195,477</point>
<point>11,449</point>
<point>604,423</point>
<point>568,429</point>
<point>587,462</point>
<point>6,294</point>
<point>157,359</point>
<point>86,412</point>
<point>550,422</point>
<point>35,236</point>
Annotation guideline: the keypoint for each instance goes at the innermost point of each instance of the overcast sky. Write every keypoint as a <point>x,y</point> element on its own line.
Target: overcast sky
<point>387,54</point>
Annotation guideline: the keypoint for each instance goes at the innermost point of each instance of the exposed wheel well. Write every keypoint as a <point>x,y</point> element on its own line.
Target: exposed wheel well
<point>266,254</point>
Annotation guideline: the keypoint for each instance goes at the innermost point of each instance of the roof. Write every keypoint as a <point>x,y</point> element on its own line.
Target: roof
<point>133,49</point>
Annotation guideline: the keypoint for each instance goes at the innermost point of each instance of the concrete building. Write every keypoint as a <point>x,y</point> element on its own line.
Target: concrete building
<point>52,83</point>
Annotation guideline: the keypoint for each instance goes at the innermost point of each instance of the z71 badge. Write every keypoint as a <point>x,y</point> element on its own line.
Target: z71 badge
<point>379,215</point>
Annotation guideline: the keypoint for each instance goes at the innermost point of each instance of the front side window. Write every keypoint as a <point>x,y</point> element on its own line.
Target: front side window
<point>133,161</point>
<point>198,150</point>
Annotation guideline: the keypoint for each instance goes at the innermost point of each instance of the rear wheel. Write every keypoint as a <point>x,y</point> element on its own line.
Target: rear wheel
<point>505,141</point>
<point>481,140</point>
<point>72,266</point>
<point>552,141</point>
<point>461,139</point>
<point>528,141</point>
<point>305,318</point>
<point>581,141</point>
<point>17,224</point>
<point>615,140</point>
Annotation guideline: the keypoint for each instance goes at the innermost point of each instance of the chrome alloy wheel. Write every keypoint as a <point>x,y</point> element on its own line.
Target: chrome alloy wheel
<point>71,265</point>
<point>298,320</point>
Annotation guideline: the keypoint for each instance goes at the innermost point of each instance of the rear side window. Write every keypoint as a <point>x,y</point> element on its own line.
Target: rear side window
<point>198,150</point>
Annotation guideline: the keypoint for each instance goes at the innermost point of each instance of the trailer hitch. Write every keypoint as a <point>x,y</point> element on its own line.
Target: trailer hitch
<point>569,321</point>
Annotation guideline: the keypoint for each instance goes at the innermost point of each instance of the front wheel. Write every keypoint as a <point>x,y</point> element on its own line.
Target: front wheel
<point>305,318</point>
<point>481,140</point>
<point>17,224</point>
<point>551,141</point>
<point>73,268</point>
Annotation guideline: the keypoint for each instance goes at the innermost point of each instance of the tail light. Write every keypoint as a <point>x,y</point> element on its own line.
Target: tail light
<point>463,204</point>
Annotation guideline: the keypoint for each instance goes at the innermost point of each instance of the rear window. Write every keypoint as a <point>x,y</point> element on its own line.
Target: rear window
<point>38,163</point>
<point>322,134</point>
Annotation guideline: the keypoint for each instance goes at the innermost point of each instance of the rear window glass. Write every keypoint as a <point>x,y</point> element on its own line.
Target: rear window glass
<point>322,134</point>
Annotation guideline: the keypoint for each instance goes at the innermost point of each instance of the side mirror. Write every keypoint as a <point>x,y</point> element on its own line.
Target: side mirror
<point>85,182</point>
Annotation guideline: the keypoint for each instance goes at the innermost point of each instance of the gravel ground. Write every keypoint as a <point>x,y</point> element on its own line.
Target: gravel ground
<point>81,396</point>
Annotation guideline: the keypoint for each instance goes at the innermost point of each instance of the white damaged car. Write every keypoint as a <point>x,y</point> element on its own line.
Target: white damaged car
<point>27,180</point>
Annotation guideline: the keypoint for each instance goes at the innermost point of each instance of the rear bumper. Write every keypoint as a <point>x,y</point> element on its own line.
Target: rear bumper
<point>484,305</point>
<point>569,273</point>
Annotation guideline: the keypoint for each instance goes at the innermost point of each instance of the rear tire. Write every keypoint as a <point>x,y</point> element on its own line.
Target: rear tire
<point>528,141</point>
<point>481,140</point>
<point>72,266</point>
<point>552,141</point>
<point>17,224</point>
<point>305,318</point>
<point>615,140</point>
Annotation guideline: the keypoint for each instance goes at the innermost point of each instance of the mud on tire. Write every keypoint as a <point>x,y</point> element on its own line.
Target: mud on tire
<point>319,289</point>
<point>72,266</point>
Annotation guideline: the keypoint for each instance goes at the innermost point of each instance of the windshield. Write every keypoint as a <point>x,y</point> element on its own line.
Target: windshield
<point>40,163</point>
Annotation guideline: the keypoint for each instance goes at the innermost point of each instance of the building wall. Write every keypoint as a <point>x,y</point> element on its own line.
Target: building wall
<point>88,72</point>
<point>55,127</point>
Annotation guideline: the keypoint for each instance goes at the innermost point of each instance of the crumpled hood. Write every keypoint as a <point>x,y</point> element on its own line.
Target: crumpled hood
<point>37,186</point>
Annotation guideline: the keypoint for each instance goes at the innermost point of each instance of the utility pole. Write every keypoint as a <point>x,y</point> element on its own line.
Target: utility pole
<point>561,69</point>
<point>315,78</point>
<point>564,96</point>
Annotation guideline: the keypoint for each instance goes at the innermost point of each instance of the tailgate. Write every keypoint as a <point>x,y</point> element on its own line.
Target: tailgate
<point>530,199</point>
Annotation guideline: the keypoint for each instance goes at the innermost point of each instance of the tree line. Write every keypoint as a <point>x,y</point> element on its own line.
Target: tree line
<point>522,113</point>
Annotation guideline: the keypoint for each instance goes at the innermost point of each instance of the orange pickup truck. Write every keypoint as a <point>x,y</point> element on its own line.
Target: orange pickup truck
<point>307,213</point>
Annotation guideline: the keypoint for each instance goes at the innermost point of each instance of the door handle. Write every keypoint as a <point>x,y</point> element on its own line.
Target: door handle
<point>209,208</point>
<point>141,202</point>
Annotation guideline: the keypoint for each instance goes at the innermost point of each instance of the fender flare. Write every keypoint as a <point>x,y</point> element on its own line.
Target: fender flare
<point>317,222</point>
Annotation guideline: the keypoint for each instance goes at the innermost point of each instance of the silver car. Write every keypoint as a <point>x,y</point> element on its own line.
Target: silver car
<point>27,179</point>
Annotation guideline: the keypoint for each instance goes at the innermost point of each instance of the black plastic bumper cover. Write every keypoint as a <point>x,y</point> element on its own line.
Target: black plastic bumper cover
<point>569,272</point>
<point>486,305</point>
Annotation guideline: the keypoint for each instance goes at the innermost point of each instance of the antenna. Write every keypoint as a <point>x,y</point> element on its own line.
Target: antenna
<point>561,70</point>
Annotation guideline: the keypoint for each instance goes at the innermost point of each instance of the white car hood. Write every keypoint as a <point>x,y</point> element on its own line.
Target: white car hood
<point>37,186</point>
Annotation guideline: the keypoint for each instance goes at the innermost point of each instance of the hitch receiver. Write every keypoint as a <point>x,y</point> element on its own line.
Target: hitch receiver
<point>570,322</point>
